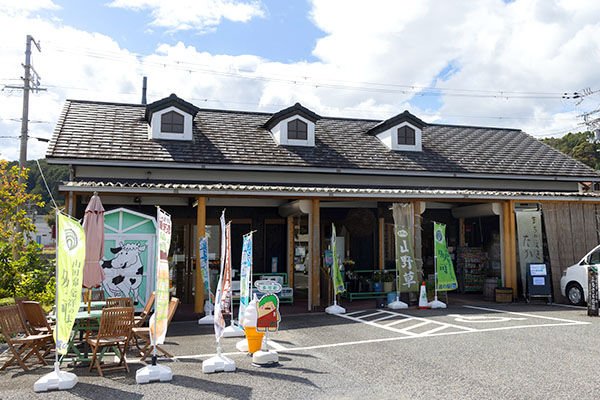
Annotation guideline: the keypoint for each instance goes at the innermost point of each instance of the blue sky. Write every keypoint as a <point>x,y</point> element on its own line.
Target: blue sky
<point>485,63</point>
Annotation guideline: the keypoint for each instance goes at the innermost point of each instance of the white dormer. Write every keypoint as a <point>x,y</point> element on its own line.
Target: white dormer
<point>401,133</point>
<point>294,126</point>
<point>170,119</point>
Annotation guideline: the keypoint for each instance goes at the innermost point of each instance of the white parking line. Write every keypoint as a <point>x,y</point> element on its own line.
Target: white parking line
<point>371,315</point>
<point>391,315</point>
<point>528,315</point>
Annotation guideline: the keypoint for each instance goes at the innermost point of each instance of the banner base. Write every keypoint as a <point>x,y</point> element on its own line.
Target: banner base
<point>436,304</point>
<point>335,309</point>
<point>233,331</point>
<point>218,363</point>
<point>207,320</point>
<point>265,358</point>
<point>55,380</point>
<point>153,373</point>
<point>397,305</point>
<point>242,346</point>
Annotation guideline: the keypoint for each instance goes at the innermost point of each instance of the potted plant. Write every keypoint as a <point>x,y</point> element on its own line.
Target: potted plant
<point>378,281</point>
<point>388,282</point>
<point>351,276</point>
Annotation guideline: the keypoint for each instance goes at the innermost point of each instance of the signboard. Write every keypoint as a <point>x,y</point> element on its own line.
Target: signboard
<point>203,255</point>
<point>158,321</point>
<point>70,256</point>
<point>446,278</point>
<point>592,291</point>
<point>328,257</point>
<point>406,265</point>
<point>274,265</point>
<point>530,245</point>
<point>538,281</point>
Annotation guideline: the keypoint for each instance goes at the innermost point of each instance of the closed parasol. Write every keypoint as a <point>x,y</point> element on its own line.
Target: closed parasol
<point>93,225</point>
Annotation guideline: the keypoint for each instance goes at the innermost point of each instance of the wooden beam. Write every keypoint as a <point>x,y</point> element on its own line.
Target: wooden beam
<point>290,253</point>
<point>315,255</point>
<point>381,239</point>
<point>510,249</point>
<point>201,232</point>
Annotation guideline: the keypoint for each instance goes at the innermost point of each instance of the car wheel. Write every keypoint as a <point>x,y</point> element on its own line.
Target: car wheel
<point>575,294</point>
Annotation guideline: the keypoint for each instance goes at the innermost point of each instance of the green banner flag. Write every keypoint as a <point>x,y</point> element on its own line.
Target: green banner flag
<point>338,282</point>
<point>446,279</point>
<point>70,256</point>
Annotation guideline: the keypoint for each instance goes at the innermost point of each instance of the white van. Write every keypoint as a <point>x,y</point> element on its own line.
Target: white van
<point>574,280</point>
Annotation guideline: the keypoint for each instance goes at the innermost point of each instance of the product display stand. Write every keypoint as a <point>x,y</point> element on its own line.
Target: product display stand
<point>153,373</point>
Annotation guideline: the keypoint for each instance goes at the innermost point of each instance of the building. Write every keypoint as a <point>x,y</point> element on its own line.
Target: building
<point>291,174</point>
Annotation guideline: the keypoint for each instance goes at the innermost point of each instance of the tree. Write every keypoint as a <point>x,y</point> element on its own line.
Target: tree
<point>580,146</point>
<point>23,272</point>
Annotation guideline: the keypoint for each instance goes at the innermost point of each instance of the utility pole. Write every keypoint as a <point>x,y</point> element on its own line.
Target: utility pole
<point>31,81</point>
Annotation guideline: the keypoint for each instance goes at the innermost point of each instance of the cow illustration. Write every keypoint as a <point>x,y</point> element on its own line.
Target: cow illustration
<point>124,272</point>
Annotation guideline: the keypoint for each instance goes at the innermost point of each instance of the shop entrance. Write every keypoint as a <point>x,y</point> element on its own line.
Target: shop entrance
<point>473,233</point>
<point>301,260</point>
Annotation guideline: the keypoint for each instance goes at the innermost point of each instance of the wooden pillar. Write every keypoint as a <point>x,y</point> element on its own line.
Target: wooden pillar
<point>315,255</point>
<point>418,241</point>
<point>462,235</point>
<point>510,249</point>
<point>290,252</point>
<point>381,240</point>
<point>201,232</point>
<point>67,204</point>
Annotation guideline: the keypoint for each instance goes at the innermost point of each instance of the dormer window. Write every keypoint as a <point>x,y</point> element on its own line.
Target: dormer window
<point>171,122</point>
<point>294,126</point>
<point>406,136</point>
<point>170,119</point>
<point>400,133</point>
<point>297,130</point>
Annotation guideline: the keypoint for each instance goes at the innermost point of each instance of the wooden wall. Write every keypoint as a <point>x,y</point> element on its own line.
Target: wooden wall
<point>571,231</point>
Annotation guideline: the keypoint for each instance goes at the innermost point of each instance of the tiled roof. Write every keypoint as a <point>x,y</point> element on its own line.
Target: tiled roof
<point>190,188</point>
<point>110,131</point>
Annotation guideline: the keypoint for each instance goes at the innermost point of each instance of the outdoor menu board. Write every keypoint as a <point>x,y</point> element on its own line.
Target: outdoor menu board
<point>538,281</point>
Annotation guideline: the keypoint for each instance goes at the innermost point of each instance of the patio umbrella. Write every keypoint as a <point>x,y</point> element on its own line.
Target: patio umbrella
<point>93,225</point>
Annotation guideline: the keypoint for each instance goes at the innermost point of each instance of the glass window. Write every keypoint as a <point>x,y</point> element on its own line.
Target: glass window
<point>406,136</point>
<point>595,257</point>
<point>171,122</point>
<point>297,130</point>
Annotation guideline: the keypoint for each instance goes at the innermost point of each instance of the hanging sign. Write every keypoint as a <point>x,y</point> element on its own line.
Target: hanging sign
<point>531,248</point>
<point>70,256</point>
<point>245,275</point>
<point>446,278</point>
<point>338,282</point>
<point>158,321</point>
<point>405,260</point>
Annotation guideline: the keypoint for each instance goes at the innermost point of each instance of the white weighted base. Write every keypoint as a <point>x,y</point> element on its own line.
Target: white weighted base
<point>153,373</point>
<point>56,380</point>
<point>207,320</point>
<point>335,309</point>
<point>233,331</point>
<point>397,305</point>
<point>437,304</point>
<point>265,358</point>
<point>242,346</point>
<point>218,363</point>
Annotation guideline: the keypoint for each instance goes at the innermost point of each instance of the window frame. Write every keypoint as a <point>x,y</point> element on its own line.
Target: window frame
<point>296,132</point>
<point>169,127</point>
<point>402,132</point>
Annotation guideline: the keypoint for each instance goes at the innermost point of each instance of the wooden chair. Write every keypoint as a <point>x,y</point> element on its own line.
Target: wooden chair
<point>19,303</point>
<point>119,302</point>
<point>22,344</point>
<point>97,295</point>
<point>114,331</point>
<point>37,322</point>
<point>144,333</point>
<point>140,319</point>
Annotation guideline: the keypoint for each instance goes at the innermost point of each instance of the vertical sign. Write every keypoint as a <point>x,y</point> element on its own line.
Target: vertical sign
<point>592,299</point>
<point>245,275</point>
<point>446,278</point>
<point>338,282</point>
<point>158,321</point>
<point>405,259</point>
<point>203,255</point>
<point>219,320</point>
<point>529,228</point>
<point>70,257</point>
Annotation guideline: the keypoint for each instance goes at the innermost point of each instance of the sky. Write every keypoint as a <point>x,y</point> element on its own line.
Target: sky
<point>484,63</point>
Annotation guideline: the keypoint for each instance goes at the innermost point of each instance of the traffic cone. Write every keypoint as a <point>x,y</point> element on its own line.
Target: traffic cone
<point>423,303</point>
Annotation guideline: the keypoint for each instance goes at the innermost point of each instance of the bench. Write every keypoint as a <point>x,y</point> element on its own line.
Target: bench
<point>368,273</point>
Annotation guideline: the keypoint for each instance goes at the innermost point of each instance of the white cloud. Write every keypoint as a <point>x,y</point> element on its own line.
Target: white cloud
<point>200,15</point>
<point>13,7</point>
<point>524,46</point>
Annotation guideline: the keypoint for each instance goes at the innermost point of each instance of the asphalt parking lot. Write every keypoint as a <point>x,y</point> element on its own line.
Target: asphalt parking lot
<point>479,351</point>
